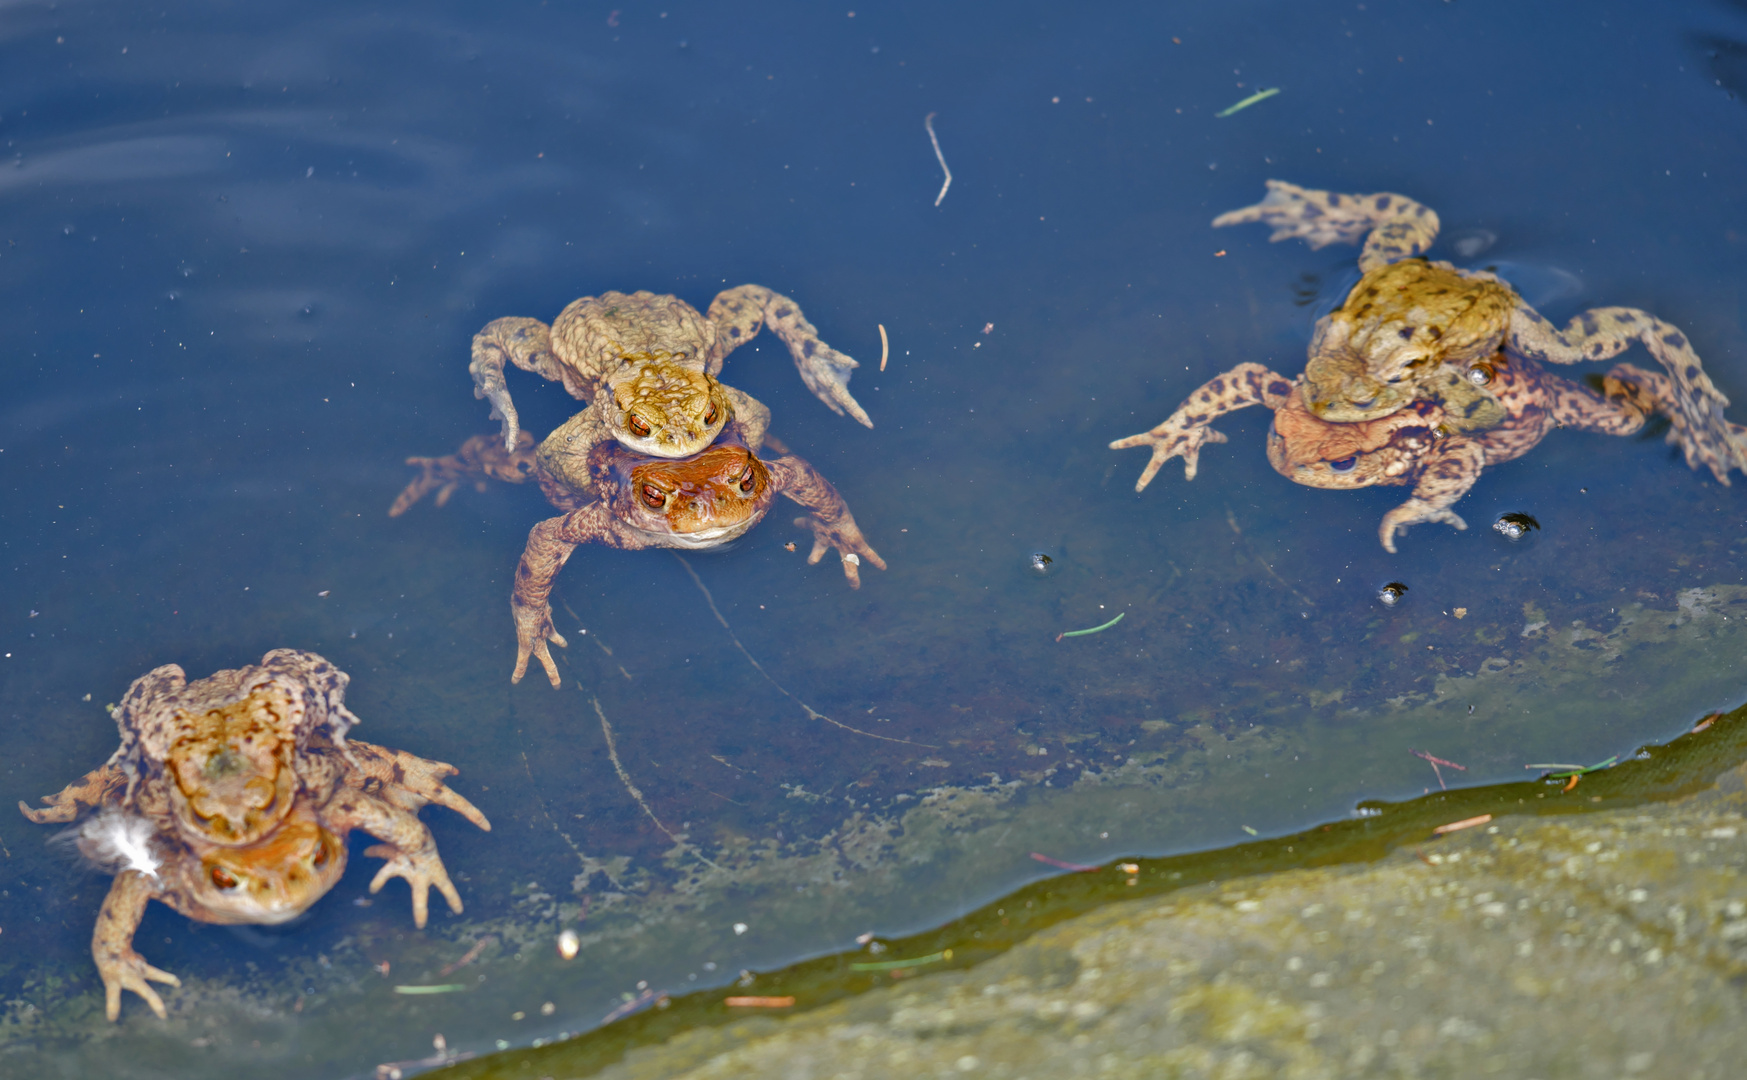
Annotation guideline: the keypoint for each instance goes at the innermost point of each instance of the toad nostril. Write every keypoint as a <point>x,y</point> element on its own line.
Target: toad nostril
<point>1344,464</point>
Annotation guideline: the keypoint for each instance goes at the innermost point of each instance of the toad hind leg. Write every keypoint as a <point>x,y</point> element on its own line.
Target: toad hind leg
<point>1704,435</point>
<point>1449,472</point>
<point>112,945</point>
<point>1393,227</point>
<point>738,313</point>
<point>1186,430</point>
<point>410,849</point>
<point>480,458</point>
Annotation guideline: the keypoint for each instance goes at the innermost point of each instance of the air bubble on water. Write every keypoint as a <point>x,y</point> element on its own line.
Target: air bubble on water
<point>1515,527</point>
<point>1392,593</point>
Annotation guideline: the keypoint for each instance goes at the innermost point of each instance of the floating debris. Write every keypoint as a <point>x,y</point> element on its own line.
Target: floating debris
<point>885,345</point>
<point>1465,823</point>
<point>1391,594</point>
<point>1040,562</point>
<point>469,956</point>
<point>1577,770</point>
<point>1045,859</point>
<point>1434,762</point>
<point>1094,630</point>
<point>1259,95</point>
<point>893,965</point>
<point>1514,527</point>
<point>784,1002</point>
<point>568,944</point>
<point>1249,830</point>
<point>441,988</point>
<point>928,122</point>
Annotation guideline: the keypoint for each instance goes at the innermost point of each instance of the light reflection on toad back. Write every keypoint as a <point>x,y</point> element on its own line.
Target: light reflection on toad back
<point>242,265</point>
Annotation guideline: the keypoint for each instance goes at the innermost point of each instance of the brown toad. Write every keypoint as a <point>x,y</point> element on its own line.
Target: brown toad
<point>1410,323</point>
<point>1418,445</point>
<point>622,499</point>
<point>230,798</point>
<point>648,363</point>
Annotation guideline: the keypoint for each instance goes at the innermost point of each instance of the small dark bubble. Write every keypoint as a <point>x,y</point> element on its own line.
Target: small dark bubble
<point>1040,562</point>
<point>1392,593</point>
<point>1514,527</point>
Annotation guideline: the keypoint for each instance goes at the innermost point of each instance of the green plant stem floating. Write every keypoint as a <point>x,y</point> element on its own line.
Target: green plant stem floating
<point>893,965</point>
<point>444,988</point>
<point>1259,95</point>
<point>1094,630</point>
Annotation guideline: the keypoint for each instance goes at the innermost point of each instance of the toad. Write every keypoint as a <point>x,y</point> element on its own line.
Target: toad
<point>1418,445</point>
<point>1410,323</point>
<point>622,499</point>
<point>230,799</point>
<point>648,363</point>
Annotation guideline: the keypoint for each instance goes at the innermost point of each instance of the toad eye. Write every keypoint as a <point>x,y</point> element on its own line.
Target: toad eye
<point>654,496</point>
<point>1366,404</point>
<point>1479,376</point>
<point>222,878</point>
<point>747,482</point>
<point>710,417</point>
<point>1344,464</point>
<point>637,424</point>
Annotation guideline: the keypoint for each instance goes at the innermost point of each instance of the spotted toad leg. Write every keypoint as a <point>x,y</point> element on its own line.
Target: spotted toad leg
<point>1447,474</point>
<point>1634,389</point>
<point>550,544</point>
<point>410,849</point>
<point>1393,227</point>
<point>752,415</point>
<point>112,944</point>
<point>526,343</point>
<point>1705,436</point>
<point>408,781</point>
<point>1187,429</point>
<point>832,524</point>
<point>479,459</point>
<point>738,313</point>
<point>93,789</point>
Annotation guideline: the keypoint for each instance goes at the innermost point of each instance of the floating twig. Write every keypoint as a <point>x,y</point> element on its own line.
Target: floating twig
<point>443,988</point>
<point>885,346</point>
<point>1434,762</point>
<point>1578,770</point>
<point>894,965</point>
<point>469,956</point>
<point>1094,630</point>
<point>1465,823</point>
<point>812,714</point>
<point>928,122</point>
<point>647,997</point>
<point>1259,95</point>
<point>759,1002</point>
<point>1064,865</point>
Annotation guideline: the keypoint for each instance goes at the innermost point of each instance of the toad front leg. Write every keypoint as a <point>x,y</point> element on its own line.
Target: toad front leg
<point>95,788</point>
<point>1393,227</point>
<point>832,524</point>
<point>550,544</point>
<point>738,313</point>
<point>112,944</point>
<point>410,849</point>
<point>480,458</point>
<point>407,780</point>
<point>1186,430</point>
<point>1706,437</point>
<point>526,343</point>
<point>1449,471</point>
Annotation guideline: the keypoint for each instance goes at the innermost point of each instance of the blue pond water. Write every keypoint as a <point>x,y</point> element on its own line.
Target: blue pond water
<point>243,249</point>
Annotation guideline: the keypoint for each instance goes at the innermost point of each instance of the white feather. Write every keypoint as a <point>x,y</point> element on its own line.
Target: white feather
<point>118,841</point>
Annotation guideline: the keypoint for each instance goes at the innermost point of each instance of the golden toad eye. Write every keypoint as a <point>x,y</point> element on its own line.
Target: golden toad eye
<point>654,496</point>
<point>710,417</point>
<point>222,879</point>
<point>636,424</point>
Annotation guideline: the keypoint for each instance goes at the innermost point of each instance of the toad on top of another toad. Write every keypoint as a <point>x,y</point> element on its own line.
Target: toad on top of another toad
<point>622,499</point>
<point>1418,445</point>
<point>1409,323</point>
<point>648,363</point>
<point>230,798</point>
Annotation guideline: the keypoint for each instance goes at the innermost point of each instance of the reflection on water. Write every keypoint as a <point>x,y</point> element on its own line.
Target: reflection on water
<point>242,262</point>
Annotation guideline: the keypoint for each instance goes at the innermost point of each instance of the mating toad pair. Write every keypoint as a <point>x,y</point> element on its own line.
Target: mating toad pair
<point>1428,374</point>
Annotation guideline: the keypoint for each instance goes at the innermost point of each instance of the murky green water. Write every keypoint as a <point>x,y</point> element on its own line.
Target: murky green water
<point>243,262</point>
